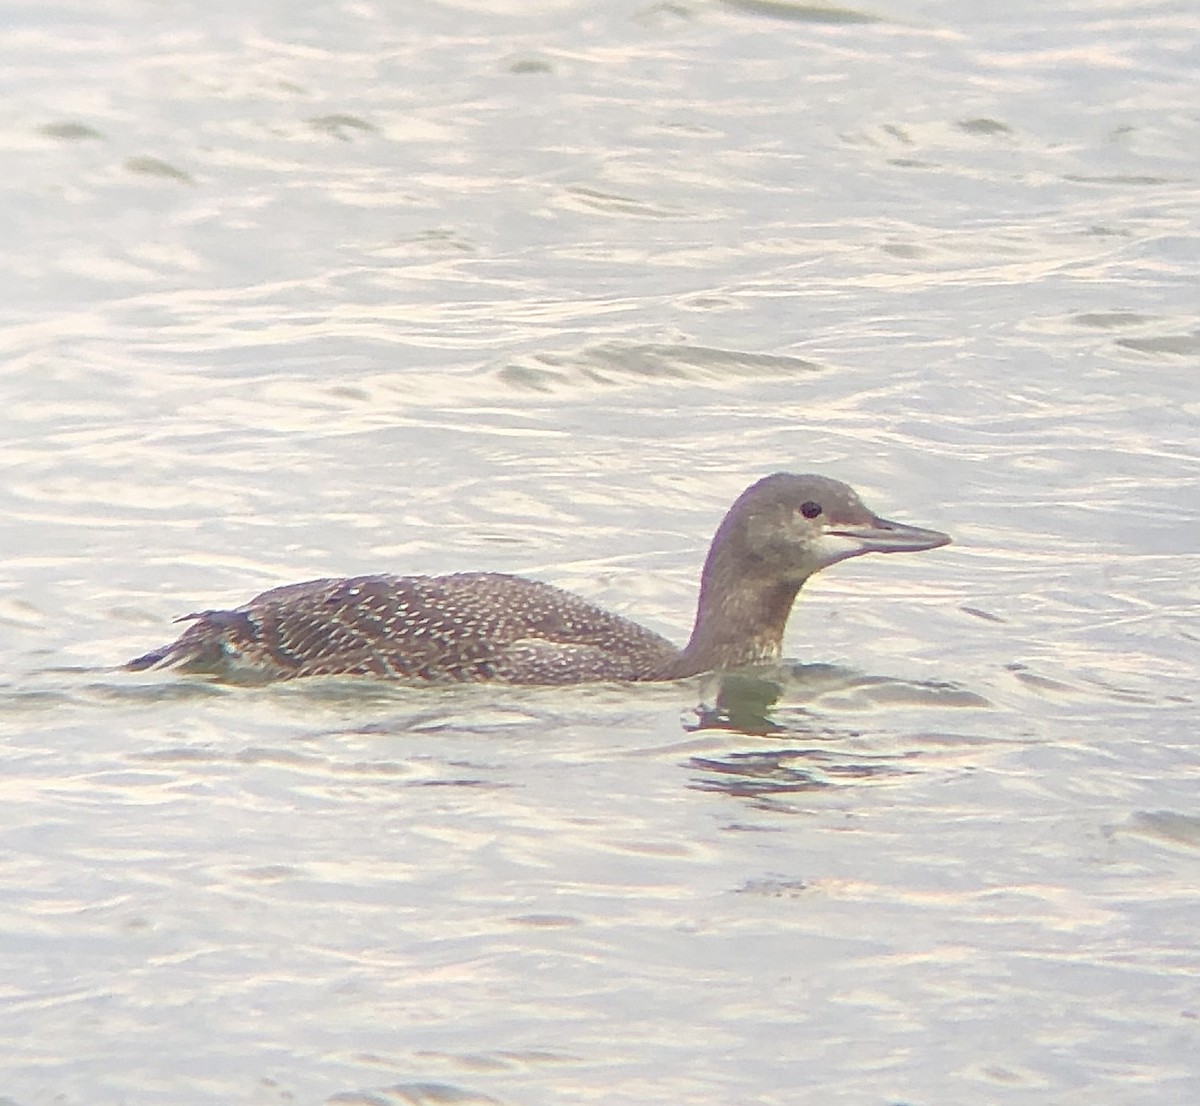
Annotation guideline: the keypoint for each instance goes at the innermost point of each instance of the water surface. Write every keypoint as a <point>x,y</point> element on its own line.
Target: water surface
<point>296,290</point>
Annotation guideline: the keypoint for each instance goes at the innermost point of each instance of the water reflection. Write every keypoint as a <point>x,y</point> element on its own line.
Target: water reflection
<point>764,703</point>
<point>748,701</point>
<point>789,771</point>
<point>743,703</point>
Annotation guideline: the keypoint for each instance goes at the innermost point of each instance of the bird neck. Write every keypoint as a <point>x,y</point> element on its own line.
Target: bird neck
<point>740,617</point>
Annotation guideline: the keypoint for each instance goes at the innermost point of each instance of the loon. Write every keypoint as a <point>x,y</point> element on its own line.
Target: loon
<point>487,626</point>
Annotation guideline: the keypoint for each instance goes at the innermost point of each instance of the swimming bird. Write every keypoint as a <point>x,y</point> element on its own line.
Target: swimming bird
<point>479,626</point>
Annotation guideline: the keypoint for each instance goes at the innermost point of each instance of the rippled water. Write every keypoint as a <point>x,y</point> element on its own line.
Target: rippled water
<point>294,290</point>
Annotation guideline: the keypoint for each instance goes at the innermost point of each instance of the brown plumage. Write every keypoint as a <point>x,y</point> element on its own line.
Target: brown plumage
<point>478,626</point>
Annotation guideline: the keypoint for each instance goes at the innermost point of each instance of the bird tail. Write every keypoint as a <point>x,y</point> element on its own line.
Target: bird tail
<point>156,658</point>
<point>201,647</point>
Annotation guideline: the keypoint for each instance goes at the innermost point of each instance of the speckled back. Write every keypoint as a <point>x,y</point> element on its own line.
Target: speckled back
<point>468,626</point>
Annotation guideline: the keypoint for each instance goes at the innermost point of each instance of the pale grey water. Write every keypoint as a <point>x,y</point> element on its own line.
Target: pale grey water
<point>292,290</point>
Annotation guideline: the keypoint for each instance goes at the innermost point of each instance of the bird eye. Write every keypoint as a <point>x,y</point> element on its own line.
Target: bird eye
<point>810,509</point>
